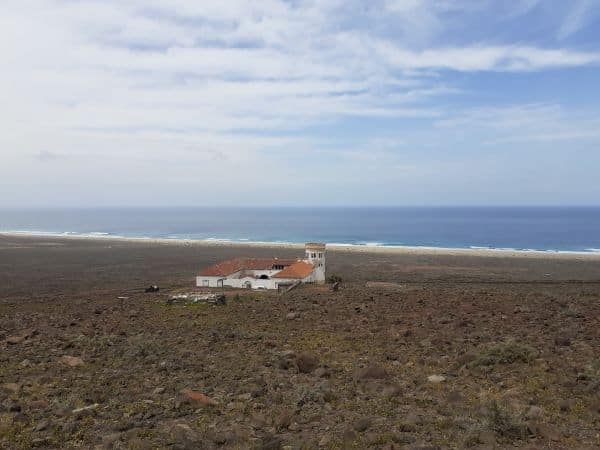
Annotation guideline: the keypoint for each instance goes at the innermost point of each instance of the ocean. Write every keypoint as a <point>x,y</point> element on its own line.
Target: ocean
<point>555,229</point>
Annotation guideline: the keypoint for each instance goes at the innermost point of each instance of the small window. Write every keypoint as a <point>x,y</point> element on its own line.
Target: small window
<point>204,282</point>
<point>320,255</point>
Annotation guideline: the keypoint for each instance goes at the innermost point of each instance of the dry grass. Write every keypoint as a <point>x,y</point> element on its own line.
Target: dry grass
<point>504,353</point>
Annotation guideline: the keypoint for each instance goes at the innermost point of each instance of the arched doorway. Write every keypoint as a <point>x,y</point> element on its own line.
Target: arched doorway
<point>247,285</point>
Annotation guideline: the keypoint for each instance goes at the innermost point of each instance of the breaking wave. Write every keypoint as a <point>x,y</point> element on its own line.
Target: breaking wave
<point>212,239</point>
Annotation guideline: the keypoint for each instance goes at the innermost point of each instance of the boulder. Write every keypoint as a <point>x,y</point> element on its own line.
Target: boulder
<point>436,379</point>
<point>194,397</point>
<point>362,424</point>
<point>11,387</point>
<point>187,438</point>
<point>373,372</point>
<point>284,420</point>
<point>306,363</point>
<point>534,413</point>
<point>71,361</point>
<point>18,338</point>
<point>38,404</point>
<point>85,411</point>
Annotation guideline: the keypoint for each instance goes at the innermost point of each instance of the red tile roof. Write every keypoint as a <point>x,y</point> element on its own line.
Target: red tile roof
<point>299,269</point>
<point>230,266</point>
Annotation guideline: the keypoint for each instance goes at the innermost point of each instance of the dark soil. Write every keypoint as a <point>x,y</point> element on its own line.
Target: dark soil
<point>467,352</point>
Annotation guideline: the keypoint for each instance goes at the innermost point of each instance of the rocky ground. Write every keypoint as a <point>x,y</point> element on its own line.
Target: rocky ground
<point>450,358</point>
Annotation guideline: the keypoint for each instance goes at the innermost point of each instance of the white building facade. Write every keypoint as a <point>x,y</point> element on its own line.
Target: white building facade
<point>270,273</point>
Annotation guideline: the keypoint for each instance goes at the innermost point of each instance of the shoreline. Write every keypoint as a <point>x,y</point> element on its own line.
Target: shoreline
<point>335,247</point>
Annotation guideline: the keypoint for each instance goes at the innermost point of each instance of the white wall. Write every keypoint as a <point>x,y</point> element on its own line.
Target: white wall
<point>318,262</point>
<point>241,282</point>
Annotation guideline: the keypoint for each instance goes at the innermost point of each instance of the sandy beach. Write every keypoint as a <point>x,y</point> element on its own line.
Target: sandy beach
<point>333,247</point>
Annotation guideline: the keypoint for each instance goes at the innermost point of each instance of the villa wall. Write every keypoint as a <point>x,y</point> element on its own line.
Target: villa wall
<point>272,283</point>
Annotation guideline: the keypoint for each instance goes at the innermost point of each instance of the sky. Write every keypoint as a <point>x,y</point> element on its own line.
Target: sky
<point>299,102</point>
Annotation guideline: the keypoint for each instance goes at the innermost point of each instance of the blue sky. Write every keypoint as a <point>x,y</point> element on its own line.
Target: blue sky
<point>294,102</point>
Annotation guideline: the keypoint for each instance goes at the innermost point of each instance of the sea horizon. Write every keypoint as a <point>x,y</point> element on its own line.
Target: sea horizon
<point>511,228</point>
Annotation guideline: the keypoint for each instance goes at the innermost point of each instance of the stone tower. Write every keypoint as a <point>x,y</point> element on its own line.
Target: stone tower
<point>315,255</point>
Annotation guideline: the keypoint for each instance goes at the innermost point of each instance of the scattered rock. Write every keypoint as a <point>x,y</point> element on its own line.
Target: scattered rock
<point>61,412</point>
<point>321,393</point>
<point>71,361</point>
<point>306,363</point>
<point>566,405</point>
<point>373,372</point>
<point>85,411</point>
<point>534,413</point>
<point>197,397</point>
<point>124,424</point>
<point>488,437</point>
<point>436,378</point>
<point>286,360</point>
<point>466,358</point>
<point>291,316</point>
<point>14,407</point>
<point>15,339</point>
<point>273,443</point>
<point>39,442</point>
<point>18,338</point>
<point>42,425</point>
<point>362,424</point>
<point>547,431</point>
<point>322,372</point>
<point>284,420</point>
<point>324,441</point>
<point>455,397</point>
<point>11,387</point>
<point>109,440</point>
<point>391,390</point>
<point>221,438</point>
<point>187,438</point>
<point>38,404</point>
<point>245,397</point>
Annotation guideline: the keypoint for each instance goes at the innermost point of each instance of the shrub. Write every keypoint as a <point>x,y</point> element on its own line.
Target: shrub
<point>505,353</point>
<point>332,279</point>
<point>592,375</point>
<point>506,426</point>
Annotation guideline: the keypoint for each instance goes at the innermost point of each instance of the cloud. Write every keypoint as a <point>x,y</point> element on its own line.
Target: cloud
<point>258,88</point>
<point>541,123</point>
<point>581,14</point>
<point>486,58</point>
<point>522,7</point>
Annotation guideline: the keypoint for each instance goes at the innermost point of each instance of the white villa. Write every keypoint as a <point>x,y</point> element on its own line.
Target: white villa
<point>266,273</point>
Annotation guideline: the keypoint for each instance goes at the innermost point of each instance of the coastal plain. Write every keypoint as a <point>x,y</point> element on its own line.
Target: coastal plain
<point>418,349</point>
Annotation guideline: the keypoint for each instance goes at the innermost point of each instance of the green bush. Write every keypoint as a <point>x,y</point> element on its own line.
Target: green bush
<point>332,279</point>
<point>505,353</point>
<point>592,375</point>
<point>506,426</point>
